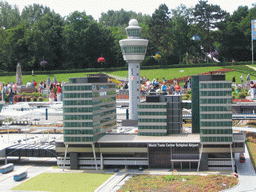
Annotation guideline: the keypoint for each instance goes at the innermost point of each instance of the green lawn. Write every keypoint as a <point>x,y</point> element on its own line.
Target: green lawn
<point>64,182</point>
<point>151,74</point>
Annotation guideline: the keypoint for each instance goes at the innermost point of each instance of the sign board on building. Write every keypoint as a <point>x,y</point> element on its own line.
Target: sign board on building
<point>162,145</point>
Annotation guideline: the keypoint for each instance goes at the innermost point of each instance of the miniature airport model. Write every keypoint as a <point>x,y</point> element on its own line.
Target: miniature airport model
<point>159,141</point>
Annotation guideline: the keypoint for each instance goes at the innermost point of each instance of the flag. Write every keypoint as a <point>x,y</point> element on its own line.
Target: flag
<point>253,29</point>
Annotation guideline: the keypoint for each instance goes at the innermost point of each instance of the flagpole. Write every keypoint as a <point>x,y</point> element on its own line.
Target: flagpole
<point>252,28</point>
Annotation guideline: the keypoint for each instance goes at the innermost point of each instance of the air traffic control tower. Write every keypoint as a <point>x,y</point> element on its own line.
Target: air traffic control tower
<point>134,49</point>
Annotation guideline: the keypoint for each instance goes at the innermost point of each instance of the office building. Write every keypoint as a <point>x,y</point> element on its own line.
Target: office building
<point>160,142</point>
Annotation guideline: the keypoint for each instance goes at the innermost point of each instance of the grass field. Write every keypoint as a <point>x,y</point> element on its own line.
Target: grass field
<point>151,74</point>
<point>64,182</point>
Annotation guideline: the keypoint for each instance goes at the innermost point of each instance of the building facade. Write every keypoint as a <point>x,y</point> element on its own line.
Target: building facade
<point>160,115</point>
<point>89,109</point>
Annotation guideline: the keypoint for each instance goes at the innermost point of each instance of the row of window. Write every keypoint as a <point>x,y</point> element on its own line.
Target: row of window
<point>216,116</point>
<point>133,32</point>
<point>103,93</point>
<point>104,100</point>
<point>151,127</point>
<point>216,101</point>
<point>216,139</point>
<point>99,87</point>
<point>152,120</point>
<point>151,106</point>
<point>215,93</point>
<point>216,131</point>
<point>77,117</point>
<point>216,124</point>
<point>152,134</point>
<point>77,95</point>
<point>88,102</point>
<point>102,107</point>
<point>78,131</point>
<point>86,87</point>
<point>77,102</point>
<point>78,110</point>
<point>214,85</point>
<point>134,49</point>
<point>78,139</point>
<point>87,109</point>
<point>152,113</point>
<point>216,108</point>
<point>108,112</point>
<point>79,124</point>
<point>77,88</point>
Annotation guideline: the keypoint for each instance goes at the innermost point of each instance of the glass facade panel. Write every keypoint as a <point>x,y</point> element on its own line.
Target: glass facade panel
<point>134,49</point>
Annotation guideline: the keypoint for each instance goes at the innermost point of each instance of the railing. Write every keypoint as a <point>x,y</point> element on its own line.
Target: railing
<point>234,116</point>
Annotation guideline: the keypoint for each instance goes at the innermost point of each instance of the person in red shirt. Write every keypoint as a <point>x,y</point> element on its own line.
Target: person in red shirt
<point>177,88</point>
<point>59,91</point>
<point>35,83</point>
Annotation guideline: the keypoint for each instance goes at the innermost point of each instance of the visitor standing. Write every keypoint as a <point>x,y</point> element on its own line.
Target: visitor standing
<point>177,89</point>
<point>248,78</point>
<point>164,89</point>
<point>59,91</point>
<point>252,90</point>
<point>234,79</point>
<point>52,96</point>
<point>5,88</point>
<point>14,88</point>
<point>242,78</point>
<point>10,93</point>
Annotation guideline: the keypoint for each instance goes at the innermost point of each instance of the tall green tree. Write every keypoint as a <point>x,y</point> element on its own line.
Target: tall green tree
<point>9,16</point>
<point>207,17</point>
<point>85,41</point>
<point>14,48</point>
<point>119,18</point>
<point>34,13</point>
<point>158,25</point>
<point>45,41</point>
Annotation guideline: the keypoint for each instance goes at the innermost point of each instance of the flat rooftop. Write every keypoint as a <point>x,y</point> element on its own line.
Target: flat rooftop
<point>128,138</point>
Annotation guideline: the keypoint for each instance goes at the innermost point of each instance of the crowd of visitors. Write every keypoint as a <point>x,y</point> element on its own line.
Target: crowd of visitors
<point>54,90</point>
<point>153,87</point>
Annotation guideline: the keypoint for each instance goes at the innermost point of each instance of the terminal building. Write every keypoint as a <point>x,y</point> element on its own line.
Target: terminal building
<point>160,141</point>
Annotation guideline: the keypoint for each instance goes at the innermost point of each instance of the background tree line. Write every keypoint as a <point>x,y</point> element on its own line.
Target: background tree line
<point>76,41</point>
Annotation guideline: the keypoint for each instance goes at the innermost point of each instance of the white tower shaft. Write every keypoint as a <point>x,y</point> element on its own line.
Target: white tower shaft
<point>134,89</point>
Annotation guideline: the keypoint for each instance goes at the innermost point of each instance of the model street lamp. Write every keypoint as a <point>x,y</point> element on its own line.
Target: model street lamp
<point>134,49</point>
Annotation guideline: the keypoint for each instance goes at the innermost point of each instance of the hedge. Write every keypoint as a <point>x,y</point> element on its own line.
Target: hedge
<point>125,68</point>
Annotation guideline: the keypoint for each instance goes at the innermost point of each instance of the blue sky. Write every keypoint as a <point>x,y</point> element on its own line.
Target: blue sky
<point>96,7</point>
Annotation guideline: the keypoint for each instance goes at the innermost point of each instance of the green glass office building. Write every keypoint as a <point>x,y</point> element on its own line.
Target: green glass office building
<point>212,109</point>
<point>89,109</point>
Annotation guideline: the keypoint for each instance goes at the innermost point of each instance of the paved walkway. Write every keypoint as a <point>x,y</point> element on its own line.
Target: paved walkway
<point>247,176</point>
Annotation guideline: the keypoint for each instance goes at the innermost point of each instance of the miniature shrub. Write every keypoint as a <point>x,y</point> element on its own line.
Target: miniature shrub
<point>170,177</point>
<point>23,93</point>
<point>37,94</point>
<point>40,99</point>
<point>28,99</point>
<point>241,96</point>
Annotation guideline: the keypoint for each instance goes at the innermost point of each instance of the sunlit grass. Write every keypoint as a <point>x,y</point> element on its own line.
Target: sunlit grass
<point>151,74</point>
<point>68,182</point>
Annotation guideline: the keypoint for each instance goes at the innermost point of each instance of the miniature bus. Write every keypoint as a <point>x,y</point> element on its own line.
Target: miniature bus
<point>19,176</point>
<point>6,168</point>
